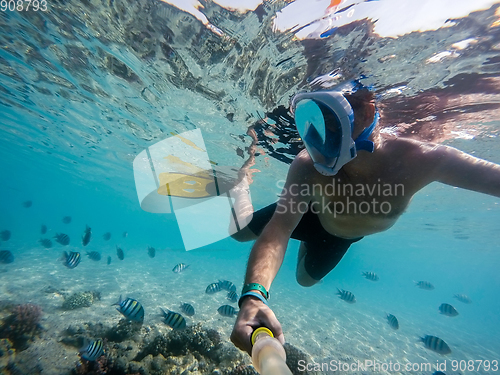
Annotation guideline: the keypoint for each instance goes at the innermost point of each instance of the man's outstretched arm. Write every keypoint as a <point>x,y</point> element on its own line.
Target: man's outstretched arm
<point>456,168</point>
<point>267,256</point>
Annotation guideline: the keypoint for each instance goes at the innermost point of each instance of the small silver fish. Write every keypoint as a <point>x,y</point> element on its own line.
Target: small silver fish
<point>227,285</point>
<point>119,253</point>
<point>87,234</point>
<point>173,319</point>
<point>346,296</point>
<point>436,344</point>
<point>227,310</point>
<point>424,285</point>
<point>371,276</point>
<point>5,235</point>
<point>448,310</point>
<point>93,351</point>
<point>6,257</point>
<point>130,309</point>
<point>72,259</point>
<point>213,288</point>
<point>45,242</point>
<point>232,296</point>
<point>180,267</point>
<point>187,309</point>
<point>94,255</point>
<point>62,239</point>
<point>393,321</point>
<point>463,298</point>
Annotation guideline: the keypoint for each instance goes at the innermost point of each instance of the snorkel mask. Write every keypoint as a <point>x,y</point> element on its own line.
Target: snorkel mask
<point>325,122</point>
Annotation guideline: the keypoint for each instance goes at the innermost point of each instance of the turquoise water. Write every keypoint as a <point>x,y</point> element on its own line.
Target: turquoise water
<point>85,87</point>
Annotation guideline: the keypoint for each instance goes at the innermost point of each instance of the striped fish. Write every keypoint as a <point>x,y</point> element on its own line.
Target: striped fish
<point>371,276</point>
<point>424,285</point>
<point>27,204</point>
<point>151,252</point>
<point>462,298</point>
<point>227,310</point>
<point>106,236</point>
<point>180,267</point>
<point>93,351</point>
<point>174,320</point>
<point>130,309</point>
<point>94,255</point>
<point>45,242</point>
<point>43,229</point>
<point>66,219</point>
<point>213,288</point>
<point>87,234</point>
<point>5,235</point>
<point>227,285</point>
<point>119,253</point>
<point>72,259</point>
<point>187,309</point>
<point>448,310</point>
<point>393,321</point>
<point>346,295</point>
<point>6,257</point>
<point>62,238</point>
<point>435,344</point>
<point>232,296</point>
<point>109,260</point>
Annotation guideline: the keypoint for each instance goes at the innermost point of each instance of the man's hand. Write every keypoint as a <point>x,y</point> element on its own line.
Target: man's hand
<point>254,314</point>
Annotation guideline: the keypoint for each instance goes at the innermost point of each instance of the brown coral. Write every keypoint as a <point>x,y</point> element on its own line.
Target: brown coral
<point>22,325</point>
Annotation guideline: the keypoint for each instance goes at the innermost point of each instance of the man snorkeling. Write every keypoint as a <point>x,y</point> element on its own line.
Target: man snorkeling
<point>323,203</point>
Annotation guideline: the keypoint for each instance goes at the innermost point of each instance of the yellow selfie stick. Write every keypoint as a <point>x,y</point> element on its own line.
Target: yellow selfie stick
<point>268,355</point>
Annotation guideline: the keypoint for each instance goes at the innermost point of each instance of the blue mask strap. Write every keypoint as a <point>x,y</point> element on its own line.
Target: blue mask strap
<point>362,142</point>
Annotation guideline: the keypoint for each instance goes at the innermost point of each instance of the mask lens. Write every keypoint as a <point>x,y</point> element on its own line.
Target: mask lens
<point>318,127</point>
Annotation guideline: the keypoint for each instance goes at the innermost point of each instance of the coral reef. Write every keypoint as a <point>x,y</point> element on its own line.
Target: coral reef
<point>82,299</point>
<point>22,325</point>
<point>293,356</point>
<point>123,330</point>
<point>244,370</point>
<point>176,343</point>
<point>7,355</point>
<point>193,350</point>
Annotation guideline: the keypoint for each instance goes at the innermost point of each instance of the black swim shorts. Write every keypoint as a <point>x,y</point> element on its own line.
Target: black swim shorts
<point>324,250</point>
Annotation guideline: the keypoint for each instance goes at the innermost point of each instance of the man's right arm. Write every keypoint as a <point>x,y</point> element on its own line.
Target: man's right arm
<point>269,250</point>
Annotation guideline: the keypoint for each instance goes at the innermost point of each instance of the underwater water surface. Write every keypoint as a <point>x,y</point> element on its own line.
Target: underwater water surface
<point>86,86</point>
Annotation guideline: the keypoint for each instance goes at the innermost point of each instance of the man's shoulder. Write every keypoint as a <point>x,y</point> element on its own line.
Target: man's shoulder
<point>302,167</point>
<point>408,146</point>
<point>302,160</point>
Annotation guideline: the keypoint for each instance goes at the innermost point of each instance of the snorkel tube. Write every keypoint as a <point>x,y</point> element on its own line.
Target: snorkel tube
<point>268,355</point>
